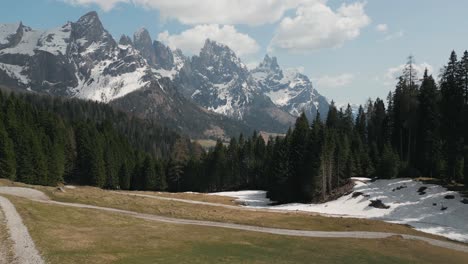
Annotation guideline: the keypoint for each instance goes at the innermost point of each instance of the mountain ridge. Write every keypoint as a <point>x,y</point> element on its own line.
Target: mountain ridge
<point>81,59</point>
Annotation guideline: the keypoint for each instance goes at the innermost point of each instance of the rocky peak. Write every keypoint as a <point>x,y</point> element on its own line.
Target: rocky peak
<point>220,60</point>
<point>270,63</point>
<point>164,56</point>
<point>269,67</point>
<point>11,34</point>
<point>143,43</point>
<point>125,40</point>
<point>89,29</point>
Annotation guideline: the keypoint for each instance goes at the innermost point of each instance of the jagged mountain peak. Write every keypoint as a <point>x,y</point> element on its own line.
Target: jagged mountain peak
<point>125,40</point>
<point>142,35</point>
<point>270,63</point>
<point>142,42</point>
<point>89,22</point>
<point>220,59</point>
<point>89,29</point>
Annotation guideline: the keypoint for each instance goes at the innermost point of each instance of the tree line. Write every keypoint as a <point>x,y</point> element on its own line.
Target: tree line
<point>46,141</point>
<point>421,130</point>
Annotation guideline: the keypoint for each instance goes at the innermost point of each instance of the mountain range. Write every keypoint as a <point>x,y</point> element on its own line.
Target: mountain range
<point>212,94</point>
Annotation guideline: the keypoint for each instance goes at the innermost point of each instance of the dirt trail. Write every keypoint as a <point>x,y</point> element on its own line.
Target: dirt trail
<point>23,246</point>
<point>276,231</point>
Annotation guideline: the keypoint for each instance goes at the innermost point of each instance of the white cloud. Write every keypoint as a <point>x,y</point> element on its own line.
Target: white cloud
<point>328,81</point>
<point>396,35</point>
<point>192,12</point>
<point>193,39</point>
<point>316,26</point>
<point>382,28</point>
<point>391,75</point>
<point>105,5</point>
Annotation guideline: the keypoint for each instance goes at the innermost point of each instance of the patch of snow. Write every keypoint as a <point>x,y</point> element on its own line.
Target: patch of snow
<point>7,30</point>
<point>423,212</point>
<point>105,88</point>
<point>165,73</point>
<point>27,45</point>
<point>15,72</point>
<point>249,198</point>
<point>55,41</point>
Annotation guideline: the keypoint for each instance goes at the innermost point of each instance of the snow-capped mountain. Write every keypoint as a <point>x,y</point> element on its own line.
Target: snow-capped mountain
<point>82,60</point>
<point>289,89</point>
<point>217,80</point>
<point>79,59</point>
<point>210,94</point>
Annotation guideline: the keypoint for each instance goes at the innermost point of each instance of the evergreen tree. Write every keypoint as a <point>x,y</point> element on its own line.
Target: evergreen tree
<point>7,155</point>
<point>428,147</point>
<point>452,117</point>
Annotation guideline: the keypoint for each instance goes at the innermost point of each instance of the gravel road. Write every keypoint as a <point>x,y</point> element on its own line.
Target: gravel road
<point>23,246</point>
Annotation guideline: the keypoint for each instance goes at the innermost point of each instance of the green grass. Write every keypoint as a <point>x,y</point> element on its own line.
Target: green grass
<point>71,235</point>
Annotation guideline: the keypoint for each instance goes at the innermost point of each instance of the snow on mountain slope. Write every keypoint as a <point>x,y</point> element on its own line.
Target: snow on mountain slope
<point>434,210</point>
<point>7,31</point>
<point>289,89</point>
<point>107,87</point>
<point>218,80</point>
<point>79,59</point>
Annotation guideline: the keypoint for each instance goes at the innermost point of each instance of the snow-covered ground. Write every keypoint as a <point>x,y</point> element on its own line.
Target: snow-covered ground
<point>429,211</point>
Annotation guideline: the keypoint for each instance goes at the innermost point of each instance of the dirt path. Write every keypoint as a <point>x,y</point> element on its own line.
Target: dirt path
<point>276,231</point>
<point>6,256</point>
<point>23,246</point>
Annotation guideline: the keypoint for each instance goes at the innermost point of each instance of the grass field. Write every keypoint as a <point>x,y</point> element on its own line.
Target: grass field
<point>71,235</point>
<point>289,220</point>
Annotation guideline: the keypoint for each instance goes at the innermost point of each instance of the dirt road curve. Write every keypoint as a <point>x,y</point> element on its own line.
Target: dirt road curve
<point>277,231</point>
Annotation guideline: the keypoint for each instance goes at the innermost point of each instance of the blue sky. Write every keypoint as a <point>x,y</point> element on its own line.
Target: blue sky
<point>352,50</point>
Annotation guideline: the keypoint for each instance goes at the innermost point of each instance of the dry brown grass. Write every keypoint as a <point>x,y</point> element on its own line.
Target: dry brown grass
<point>289,220</point>
<point>193,197</point>
<point>6,250</point>
<point>72,235</point>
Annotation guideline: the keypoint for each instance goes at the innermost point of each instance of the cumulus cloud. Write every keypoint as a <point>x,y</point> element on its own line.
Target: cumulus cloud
<point>193,39</point>
<point>382,28</point>
<point>391,75</point>
<point>316,26</point>
<point>192,12</point>
<point>328,81</point>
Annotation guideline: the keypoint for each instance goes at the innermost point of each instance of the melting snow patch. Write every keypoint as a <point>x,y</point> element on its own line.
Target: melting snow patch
<point>431,213</point>
<point>248,198</point>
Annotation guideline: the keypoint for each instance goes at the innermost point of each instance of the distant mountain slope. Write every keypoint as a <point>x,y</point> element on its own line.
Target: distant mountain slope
<point>217,80</point>
<point>290,90</point>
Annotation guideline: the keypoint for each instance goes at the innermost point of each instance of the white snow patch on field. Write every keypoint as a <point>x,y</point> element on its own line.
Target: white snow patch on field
<point>249,198</point>
<point>425,212</point>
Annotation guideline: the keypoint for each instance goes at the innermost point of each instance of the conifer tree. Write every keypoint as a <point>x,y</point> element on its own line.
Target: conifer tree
<point>7,155</point>
<point>452,116</point>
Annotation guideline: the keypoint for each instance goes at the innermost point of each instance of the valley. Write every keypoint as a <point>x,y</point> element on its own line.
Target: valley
<point>233,132</point>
